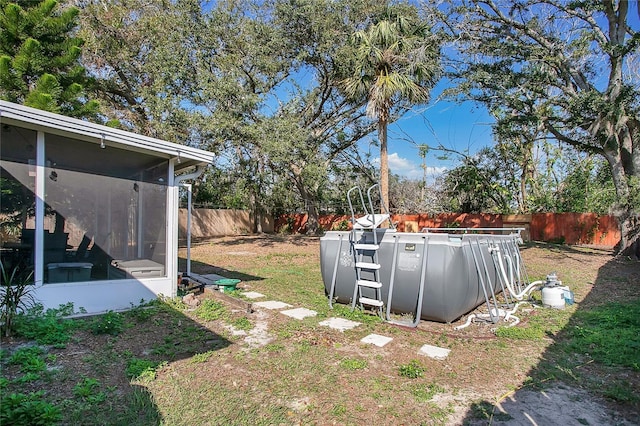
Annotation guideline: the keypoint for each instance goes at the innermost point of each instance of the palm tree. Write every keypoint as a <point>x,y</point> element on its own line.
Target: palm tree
<point>397,64</point>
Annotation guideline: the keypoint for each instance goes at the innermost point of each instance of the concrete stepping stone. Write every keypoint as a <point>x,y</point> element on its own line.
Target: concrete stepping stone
<point>376,339</point>
<point>434,352</point>
<point>272,304</point>
<point>252,295</point>
<point>341,324</point>
<point>299,313</point>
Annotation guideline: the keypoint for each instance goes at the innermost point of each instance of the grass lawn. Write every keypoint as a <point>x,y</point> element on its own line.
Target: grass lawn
<point>162,363</point>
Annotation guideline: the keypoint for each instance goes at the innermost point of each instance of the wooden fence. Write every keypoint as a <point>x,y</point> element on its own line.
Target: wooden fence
<point>568,228</point>
<point>206,223</point>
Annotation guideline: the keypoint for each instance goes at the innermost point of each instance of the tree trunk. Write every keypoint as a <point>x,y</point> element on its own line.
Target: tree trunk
<point>313,224</point>
<point>629,224</point>
<point>384,162</point>
<point>258,222</point>
<point>254,213</point>
<point>627,212</point>
<point>313,214</point>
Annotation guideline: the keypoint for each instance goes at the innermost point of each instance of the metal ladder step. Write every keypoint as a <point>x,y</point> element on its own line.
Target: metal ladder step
<point>366,246</point>
<point>370,221</point>
<point>371,302</point>
<point>363,229</point>
<point>367,265</point>
<point>369,284</point>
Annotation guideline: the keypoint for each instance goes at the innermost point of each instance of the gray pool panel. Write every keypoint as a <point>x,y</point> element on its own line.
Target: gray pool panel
<point>459,270</point>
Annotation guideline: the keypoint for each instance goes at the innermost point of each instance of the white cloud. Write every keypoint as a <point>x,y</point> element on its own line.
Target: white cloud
<point>409,169</point>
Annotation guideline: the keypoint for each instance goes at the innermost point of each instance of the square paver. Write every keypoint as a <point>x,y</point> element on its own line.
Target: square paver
<point>299,313</point>
<point>252,295</point>
<point>376,339</point>
<point>341,324</point>
<point>434,352</point>
<point>272,304</point>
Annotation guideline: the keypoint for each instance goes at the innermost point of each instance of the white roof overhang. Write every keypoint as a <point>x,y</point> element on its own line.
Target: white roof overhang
<point>11,113</point>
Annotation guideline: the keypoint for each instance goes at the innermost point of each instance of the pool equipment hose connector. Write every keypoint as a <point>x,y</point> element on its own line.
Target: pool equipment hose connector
<point>509,282</point>
<point>554,294</point>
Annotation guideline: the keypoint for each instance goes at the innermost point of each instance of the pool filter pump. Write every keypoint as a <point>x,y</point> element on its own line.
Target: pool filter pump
<point>554,294</point>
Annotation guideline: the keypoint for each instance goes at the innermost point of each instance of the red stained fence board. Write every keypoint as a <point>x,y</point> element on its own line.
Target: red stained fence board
<point>575,228</point>
<point>569,228</point>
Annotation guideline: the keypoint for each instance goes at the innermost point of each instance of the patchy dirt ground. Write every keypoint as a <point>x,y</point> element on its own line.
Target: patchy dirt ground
<point>271,371</point>
<point>561,403</point>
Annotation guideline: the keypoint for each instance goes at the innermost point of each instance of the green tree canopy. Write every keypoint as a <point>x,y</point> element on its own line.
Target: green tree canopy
<point>256,82</point>
<point>557,178</point>
<point>269,79</point>
<point>558,69</point>
<point>142,55</point>
<point>39,58</point>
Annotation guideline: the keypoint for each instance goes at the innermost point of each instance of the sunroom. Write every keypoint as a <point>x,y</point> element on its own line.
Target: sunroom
<point>89,213</point>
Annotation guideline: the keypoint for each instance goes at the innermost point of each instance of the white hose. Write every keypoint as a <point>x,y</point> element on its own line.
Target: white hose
<point>527,290</point>
<point>512,275</point>
<point>506,315</point>
<point>503,276</point>
<point>510,313</point>
<point>466,324</point>
<point>515,321</point>
<point>510,265</point>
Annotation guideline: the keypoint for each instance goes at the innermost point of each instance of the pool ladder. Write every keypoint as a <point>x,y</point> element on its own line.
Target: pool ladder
<point>365,250</point>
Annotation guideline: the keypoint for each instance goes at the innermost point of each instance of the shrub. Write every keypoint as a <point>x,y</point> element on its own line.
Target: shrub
<point>210,310</point>
<point>46,328</point>
<point>16,296</point>
<point>19,409</point>
<point>143,311</point>
<point>109,323</point>
<point>171,303</point>
<point>141,369</point>
<point>413,370</point>
<point>29,359</point>
<point>87,389</point>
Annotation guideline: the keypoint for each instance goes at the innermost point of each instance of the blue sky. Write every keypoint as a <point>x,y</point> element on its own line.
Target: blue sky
<point>464,127</point>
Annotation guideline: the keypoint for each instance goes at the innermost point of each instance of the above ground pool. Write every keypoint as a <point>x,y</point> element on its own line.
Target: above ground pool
<point>435,276</point>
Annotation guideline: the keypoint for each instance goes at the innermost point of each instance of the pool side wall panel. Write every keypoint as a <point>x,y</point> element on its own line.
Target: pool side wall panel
<point>452,285</point>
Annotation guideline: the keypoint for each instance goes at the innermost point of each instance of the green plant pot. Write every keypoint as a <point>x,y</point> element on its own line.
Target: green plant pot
<point>226,284</point>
